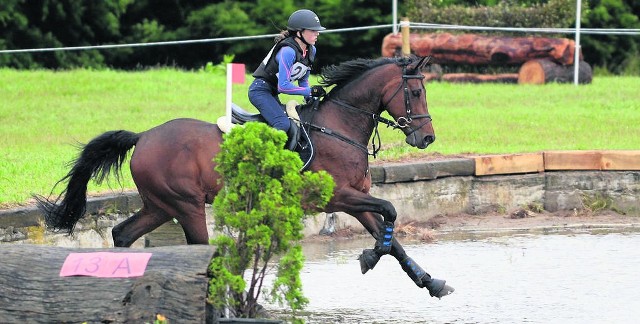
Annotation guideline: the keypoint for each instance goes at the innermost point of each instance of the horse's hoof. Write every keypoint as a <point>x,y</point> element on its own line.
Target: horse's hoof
<point>368,260</point>
<point>438,288</point>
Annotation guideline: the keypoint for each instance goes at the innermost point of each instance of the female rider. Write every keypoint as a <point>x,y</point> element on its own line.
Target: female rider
<point>287,63</point>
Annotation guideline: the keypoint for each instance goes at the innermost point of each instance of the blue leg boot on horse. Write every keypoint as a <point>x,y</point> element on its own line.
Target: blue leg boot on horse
<point>370,257</point>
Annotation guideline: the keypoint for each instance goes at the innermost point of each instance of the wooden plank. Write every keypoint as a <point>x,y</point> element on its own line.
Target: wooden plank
<point>175,285</point>
<point>429,170</point>
<point>621,160</point>
<point>592,160</point>
<point>509,163</point>
<point>572,160</point>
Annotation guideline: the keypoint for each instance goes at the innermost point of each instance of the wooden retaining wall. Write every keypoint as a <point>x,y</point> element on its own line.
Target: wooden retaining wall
<point>555,180</point>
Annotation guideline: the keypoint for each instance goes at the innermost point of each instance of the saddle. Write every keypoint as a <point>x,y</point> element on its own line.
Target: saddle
<point>298,140</point>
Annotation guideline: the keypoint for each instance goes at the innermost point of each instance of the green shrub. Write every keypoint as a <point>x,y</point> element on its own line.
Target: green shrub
<point>259,214</point>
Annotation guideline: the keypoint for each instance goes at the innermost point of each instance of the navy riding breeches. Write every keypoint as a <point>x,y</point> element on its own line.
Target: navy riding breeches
<point>264,97</point>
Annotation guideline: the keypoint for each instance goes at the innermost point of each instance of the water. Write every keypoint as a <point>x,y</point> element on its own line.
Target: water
<point>579,278</point>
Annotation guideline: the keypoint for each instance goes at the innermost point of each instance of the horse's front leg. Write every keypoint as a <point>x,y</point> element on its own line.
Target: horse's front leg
<point>370,257</point>
<point>368,210</point>
<point>354,202</point>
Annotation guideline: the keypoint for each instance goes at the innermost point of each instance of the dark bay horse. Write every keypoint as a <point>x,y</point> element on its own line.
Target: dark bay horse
<point>173,170</point>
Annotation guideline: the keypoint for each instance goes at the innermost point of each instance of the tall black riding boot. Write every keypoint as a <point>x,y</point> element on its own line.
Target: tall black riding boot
<point>293,136</point>
<point>437,287</point>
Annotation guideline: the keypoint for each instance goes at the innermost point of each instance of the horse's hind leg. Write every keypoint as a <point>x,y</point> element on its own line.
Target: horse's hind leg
<point>370,257</point>
<point>193,219</point>
<point>142,222</point>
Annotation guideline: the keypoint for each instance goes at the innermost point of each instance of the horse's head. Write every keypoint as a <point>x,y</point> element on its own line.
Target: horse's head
<point>365,88</point>
<point>404,97</point>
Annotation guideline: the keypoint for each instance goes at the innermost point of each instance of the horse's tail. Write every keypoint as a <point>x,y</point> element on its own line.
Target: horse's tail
<point>96,160</point>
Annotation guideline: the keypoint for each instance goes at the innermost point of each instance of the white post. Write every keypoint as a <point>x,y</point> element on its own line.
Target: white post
<point>229,91</point>
<point>395,17</point>
<point>576,59</point>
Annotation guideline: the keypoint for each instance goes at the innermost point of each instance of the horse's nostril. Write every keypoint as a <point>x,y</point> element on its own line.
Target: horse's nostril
<point>429,139</point>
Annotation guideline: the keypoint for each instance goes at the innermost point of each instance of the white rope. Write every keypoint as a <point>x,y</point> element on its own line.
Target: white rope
<point>601,31</point>
<point>339,30</point>
<point>75,48</point>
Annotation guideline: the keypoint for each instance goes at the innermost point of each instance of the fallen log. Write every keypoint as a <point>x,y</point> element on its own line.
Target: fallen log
<point>174,284</point>
<point>543,71</point>
<point>475,49</point>
<point>480,78</point>
<point>430,76</point>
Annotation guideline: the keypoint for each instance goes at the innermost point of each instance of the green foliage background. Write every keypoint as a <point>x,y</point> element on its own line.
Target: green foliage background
<point>40,24</point>
<point>60,23</point>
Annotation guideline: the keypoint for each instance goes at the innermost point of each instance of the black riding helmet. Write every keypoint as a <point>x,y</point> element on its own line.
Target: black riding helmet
<point>304,19</point>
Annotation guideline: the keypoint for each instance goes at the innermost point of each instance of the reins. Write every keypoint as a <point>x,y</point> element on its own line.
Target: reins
<point>401,122</point>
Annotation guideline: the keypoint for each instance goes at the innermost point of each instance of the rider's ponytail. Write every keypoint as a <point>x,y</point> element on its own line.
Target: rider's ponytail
<point>284,34</point>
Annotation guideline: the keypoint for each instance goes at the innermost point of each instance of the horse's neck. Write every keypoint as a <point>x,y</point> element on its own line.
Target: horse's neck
<point>356,123</point>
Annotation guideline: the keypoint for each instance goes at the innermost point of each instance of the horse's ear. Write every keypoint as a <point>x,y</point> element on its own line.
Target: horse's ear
<point>420,64</point>
<point>423,62</point>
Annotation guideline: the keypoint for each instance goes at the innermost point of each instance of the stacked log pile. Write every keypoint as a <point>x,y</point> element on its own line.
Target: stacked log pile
<point>543,71</point>
<point>480,78</point>
<point>550,59</point>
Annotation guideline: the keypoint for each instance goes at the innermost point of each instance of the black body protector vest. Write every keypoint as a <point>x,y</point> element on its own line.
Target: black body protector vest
<point>268,69</point>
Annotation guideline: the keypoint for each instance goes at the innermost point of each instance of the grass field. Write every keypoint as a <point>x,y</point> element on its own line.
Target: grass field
<point>44,113</point>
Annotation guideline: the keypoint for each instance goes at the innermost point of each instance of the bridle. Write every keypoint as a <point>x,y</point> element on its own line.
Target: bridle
<point>400,123</point>
<point>404,121</point>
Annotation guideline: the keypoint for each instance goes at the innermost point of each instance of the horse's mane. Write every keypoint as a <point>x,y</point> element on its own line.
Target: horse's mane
<point>346,72</point>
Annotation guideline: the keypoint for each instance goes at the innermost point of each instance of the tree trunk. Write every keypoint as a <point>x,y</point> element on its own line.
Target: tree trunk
<point>175,284</point>
<point>543,71</point>
<point>475,49</point>
<point>480,78</point>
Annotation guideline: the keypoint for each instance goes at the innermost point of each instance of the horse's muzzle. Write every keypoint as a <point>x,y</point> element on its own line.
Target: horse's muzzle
<point>420,142</point>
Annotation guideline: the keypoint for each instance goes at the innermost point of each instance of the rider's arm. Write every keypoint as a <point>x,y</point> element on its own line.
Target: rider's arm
<point>286,58</point>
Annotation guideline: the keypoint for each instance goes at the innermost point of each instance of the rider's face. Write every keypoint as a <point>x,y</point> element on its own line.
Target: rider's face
<point>311,36</point>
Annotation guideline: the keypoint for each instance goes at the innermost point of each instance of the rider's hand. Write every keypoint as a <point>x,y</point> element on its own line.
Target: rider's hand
<point>317,91</point>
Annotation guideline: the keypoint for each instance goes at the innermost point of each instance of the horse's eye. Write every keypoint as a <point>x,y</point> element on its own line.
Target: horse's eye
<point>416,93</point>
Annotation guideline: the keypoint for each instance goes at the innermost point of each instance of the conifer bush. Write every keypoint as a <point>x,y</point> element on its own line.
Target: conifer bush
<point>259,214</point>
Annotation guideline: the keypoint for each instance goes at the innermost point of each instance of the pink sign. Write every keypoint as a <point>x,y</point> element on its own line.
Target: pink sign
<point>237,73</point>
<point>105,264</point>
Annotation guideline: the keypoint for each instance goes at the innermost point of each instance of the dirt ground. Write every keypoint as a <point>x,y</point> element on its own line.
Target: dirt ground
<point>521,221</point>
